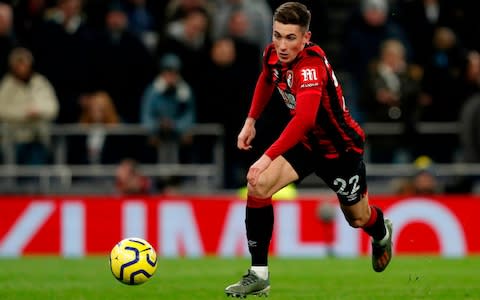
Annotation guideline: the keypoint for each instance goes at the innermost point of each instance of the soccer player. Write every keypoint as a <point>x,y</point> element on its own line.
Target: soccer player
<point>321,137</point>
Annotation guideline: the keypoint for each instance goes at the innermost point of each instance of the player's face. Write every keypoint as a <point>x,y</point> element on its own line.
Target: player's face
<point>289,40</point>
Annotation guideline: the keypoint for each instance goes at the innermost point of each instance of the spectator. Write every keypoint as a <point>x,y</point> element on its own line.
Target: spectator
<point>463,19</point>
<point>130,181</point>
<point>29,104</point>
<point>28,18</point>
<point>168,112</point>
<point>232,70</point>
<point>420,18</point>
<point>441,97</point>
<point>469,142</point>
<point>237,30</point>
<point>423,182</point>
<point>178,9</point>
<point>259,18</point>
<point>141,22</point>
<point>390,94</point>
<point>97,146</point>
<point>189,38</point>
<point>123,65</point>
<point>7,36</point>
<point>469,76</point>
<point>231,65</point>
<point>62,47</point>
<point>98,108</point>
<point>443,77</point>
<point>363,34</point>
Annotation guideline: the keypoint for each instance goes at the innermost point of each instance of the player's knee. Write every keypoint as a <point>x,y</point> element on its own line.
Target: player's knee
<point>260,190</point>
<point>357,222</point>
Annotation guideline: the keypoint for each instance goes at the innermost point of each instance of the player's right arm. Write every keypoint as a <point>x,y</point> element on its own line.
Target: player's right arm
<point>247,134</point>
<point>261,95</point>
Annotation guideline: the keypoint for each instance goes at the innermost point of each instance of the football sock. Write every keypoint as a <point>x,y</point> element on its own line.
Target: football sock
<point>259,227</point>
<point>375,226</point>
<point>261,271</point>
<point>385,238</point>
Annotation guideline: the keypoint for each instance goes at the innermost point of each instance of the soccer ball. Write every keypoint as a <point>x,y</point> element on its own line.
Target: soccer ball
<point>133,261</point>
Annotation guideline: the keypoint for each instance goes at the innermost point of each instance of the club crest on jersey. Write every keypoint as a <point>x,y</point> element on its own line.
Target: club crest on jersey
<point>289,78</point>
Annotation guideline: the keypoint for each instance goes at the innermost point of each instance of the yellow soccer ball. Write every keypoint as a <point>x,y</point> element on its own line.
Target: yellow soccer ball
<point>133,261</point>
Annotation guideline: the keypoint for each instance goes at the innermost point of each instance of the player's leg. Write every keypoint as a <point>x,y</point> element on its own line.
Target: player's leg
<point>347,177</point>
<point>259,220</point>
<point>259,211</point>
<point>370,218</point>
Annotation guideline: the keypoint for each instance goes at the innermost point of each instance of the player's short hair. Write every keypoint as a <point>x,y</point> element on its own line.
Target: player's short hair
<point>294,13</point>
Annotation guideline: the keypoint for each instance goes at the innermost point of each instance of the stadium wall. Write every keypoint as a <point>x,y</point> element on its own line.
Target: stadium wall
<point>195,226</point>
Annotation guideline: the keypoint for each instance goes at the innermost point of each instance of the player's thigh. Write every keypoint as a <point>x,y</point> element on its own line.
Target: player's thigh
<point>346,176</point>
<point>279,174</point>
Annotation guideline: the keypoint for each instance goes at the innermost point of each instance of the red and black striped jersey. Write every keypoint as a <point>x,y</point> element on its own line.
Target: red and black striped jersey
<point>309,88</point>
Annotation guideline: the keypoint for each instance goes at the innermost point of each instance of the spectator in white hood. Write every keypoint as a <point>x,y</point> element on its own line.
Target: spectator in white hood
<point>29,104</point>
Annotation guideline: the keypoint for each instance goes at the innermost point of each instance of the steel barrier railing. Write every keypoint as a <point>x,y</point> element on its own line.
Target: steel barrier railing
<point>205,175</point>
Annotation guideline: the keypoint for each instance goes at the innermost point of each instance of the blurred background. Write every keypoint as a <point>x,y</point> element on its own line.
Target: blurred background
<point>120,118</point>
<point>144,96</point>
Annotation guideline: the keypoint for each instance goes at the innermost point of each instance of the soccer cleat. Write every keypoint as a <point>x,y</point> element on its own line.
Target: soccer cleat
<point>382,252</point>
<point>250,284</point>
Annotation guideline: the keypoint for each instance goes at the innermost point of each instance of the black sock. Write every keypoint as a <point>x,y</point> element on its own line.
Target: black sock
<point>377,228</point>
<point>259,226</point>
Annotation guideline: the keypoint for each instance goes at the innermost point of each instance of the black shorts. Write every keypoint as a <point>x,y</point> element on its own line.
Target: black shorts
<point>346,175</point>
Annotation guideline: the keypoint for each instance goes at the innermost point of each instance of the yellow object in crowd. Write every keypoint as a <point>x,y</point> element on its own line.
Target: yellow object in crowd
<point>423,162</point>
<point>289,192</point>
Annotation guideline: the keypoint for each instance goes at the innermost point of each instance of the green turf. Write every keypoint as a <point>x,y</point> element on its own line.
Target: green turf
<point>407,278</point>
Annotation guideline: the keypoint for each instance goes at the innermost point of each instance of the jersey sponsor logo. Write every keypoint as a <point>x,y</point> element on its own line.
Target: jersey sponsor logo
<point>309,74</point>
<point>307,85</point>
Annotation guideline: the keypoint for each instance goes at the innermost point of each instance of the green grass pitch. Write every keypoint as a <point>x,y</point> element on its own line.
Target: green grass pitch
<point>407,278</point>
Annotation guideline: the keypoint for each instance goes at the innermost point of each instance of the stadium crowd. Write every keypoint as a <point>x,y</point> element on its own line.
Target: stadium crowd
<point>169,65</point>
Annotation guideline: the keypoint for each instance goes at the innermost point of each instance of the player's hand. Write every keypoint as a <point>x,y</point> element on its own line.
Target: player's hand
<point>257,168</point>
<point>247,134</point>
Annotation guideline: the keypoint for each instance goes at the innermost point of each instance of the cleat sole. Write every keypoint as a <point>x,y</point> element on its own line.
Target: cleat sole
<point>261,293</point>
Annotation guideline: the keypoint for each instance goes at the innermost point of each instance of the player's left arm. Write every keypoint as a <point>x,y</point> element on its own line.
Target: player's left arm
<point>299,125</point>
<point>302,122</point>
<point>308,97</point>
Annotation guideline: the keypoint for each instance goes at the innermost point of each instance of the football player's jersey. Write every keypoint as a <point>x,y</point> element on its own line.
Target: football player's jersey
<point>309,88</point>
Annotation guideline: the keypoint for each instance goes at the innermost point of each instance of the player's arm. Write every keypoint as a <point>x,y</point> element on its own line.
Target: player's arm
<point>299,125</point>
<point>303,121</point>
<point>262,94</point>
<point>309,92</point>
